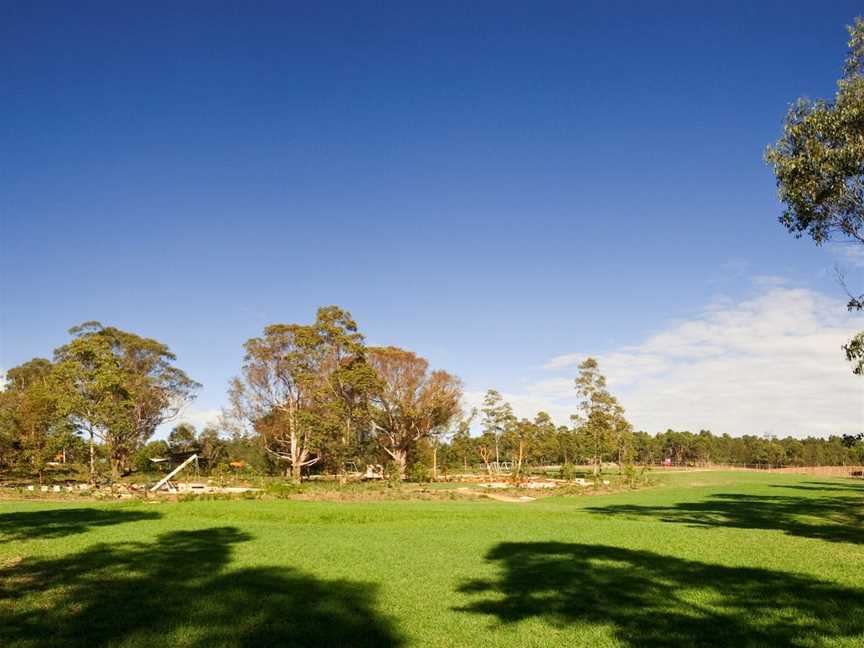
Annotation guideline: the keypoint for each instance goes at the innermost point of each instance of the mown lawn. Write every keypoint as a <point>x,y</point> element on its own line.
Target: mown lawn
<point>711,559</point>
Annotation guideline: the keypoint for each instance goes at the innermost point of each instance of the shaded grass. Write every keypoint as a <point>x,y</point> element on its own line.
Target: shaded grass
<point>624,569</point>
<point>648,599</point>
<point>63,522</point>
<point>135,593</point>
<point>831,512</point>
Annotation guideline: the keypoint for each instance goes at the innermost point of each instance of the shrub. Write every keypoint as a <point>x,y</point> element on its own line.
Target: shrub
<point>419,473</point>
<point>281,489</point>
<point>394,479</point>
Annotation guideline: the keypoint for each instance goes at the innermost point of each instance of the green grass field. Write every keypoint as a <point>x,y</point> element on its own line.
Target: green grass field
<point>710,559</point>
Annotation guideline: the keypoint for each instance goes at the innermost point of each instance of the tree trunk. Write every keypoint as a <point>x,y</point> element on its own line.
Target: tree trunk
<point>400,457</point>
<point>296,472</point>
<point>518,472</point>
<point>116,468</point>
<point>435,463</point>
<point>92,460</point>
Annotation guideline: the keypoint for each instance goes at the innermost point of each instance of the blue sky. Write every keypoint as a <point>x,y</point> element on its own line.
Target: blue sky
<point>493,186</point>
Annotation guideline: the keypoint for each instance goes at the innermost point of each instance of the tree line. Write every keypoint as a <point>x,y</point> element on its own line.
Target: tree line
<point>311,396</point>
<point>315,398</point>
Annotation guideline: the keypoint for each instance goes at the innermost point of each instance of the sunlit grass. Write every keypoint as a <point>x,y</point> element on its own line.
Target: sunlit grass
<point>719,558</point>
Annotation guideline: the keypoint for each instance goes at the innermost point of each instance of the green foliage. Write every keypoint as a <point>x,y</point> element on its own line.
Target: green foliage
<point>819,166</point>
<point>183,438</point>
<point>633,476</point>
<point>568,471</point>
<point>118,387</point>
<point>304,390</point>
<point>409,403</point>
<point>419,473</point>
<point>282,489</point>
<point>601,426</point>
<point>152,450</point>
<point>819,160</point>
<point>33,430</point>
<point>393,474</point>
<point>854,350</point>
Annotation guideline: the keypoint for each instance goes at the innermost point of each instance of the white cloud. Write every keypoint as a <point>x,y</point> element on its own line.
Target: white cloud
<point>200,418</point>
<point>772,363</point>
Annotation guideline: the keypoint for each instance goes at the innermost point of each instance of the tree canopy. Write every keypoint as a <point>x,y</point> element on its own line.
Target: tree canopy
<point>819,166</point>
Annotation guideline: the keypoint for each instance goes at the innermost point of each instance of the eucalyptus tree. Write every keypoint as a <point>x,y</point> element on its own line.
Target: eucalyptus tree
<point>91,391</point>
<point>498,418</point>
<point>275,394</point>
<point>303,389</point>
<point>119,387</point>
<point>410,402</point>
<point>602,418</point>
<point>346,382</point>
<point>819,166</point>
<point>30,419</point>
<point>461,442</point>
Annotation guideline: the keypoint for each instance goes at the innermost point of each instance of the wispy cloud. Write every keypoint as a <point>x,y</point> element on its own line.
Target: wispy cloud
<point>768,364</point>
<point>200,418</point>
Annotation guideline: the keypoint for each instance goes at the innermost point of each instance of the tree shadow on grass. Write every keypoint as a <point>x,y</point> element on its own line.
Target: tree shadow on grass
<point>647,599</point>
<point>834,487</point>
<point>176,591</point>
<point>835,519</point>
<point>59,523</point>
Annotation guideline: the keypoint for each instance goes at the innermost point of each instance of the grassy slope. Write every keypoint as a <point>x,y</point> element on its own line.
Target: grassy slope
<point>702,559</point>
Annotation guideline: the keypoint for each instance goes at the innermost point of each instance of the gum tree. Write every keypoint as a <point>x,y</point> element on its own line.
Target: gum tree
<point>601,419</point>
<point>119,387</point>
<point>303,388</point>
<point>409,402</point>
<point>819,166</point>
<point>30,417</point>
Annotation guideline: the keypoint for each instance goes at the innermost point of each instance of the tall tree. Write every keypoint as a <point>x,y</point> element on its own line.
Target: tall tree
<point>30,417</point>
<point>461,442</point>
<point>520,438</point>
<point>276,394</point>
<point>497,419</point>
<point>91,391</point>
<point>410,401</point>
<point>120,387</point>
<point>819,166</point>
<point>304,388</point>
<point>602,417</point>
<point>346,382</point>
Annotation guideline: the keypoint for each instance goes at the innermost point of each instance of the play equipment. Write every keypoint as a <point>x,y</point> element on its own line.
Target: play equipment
<point>166,480</point>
